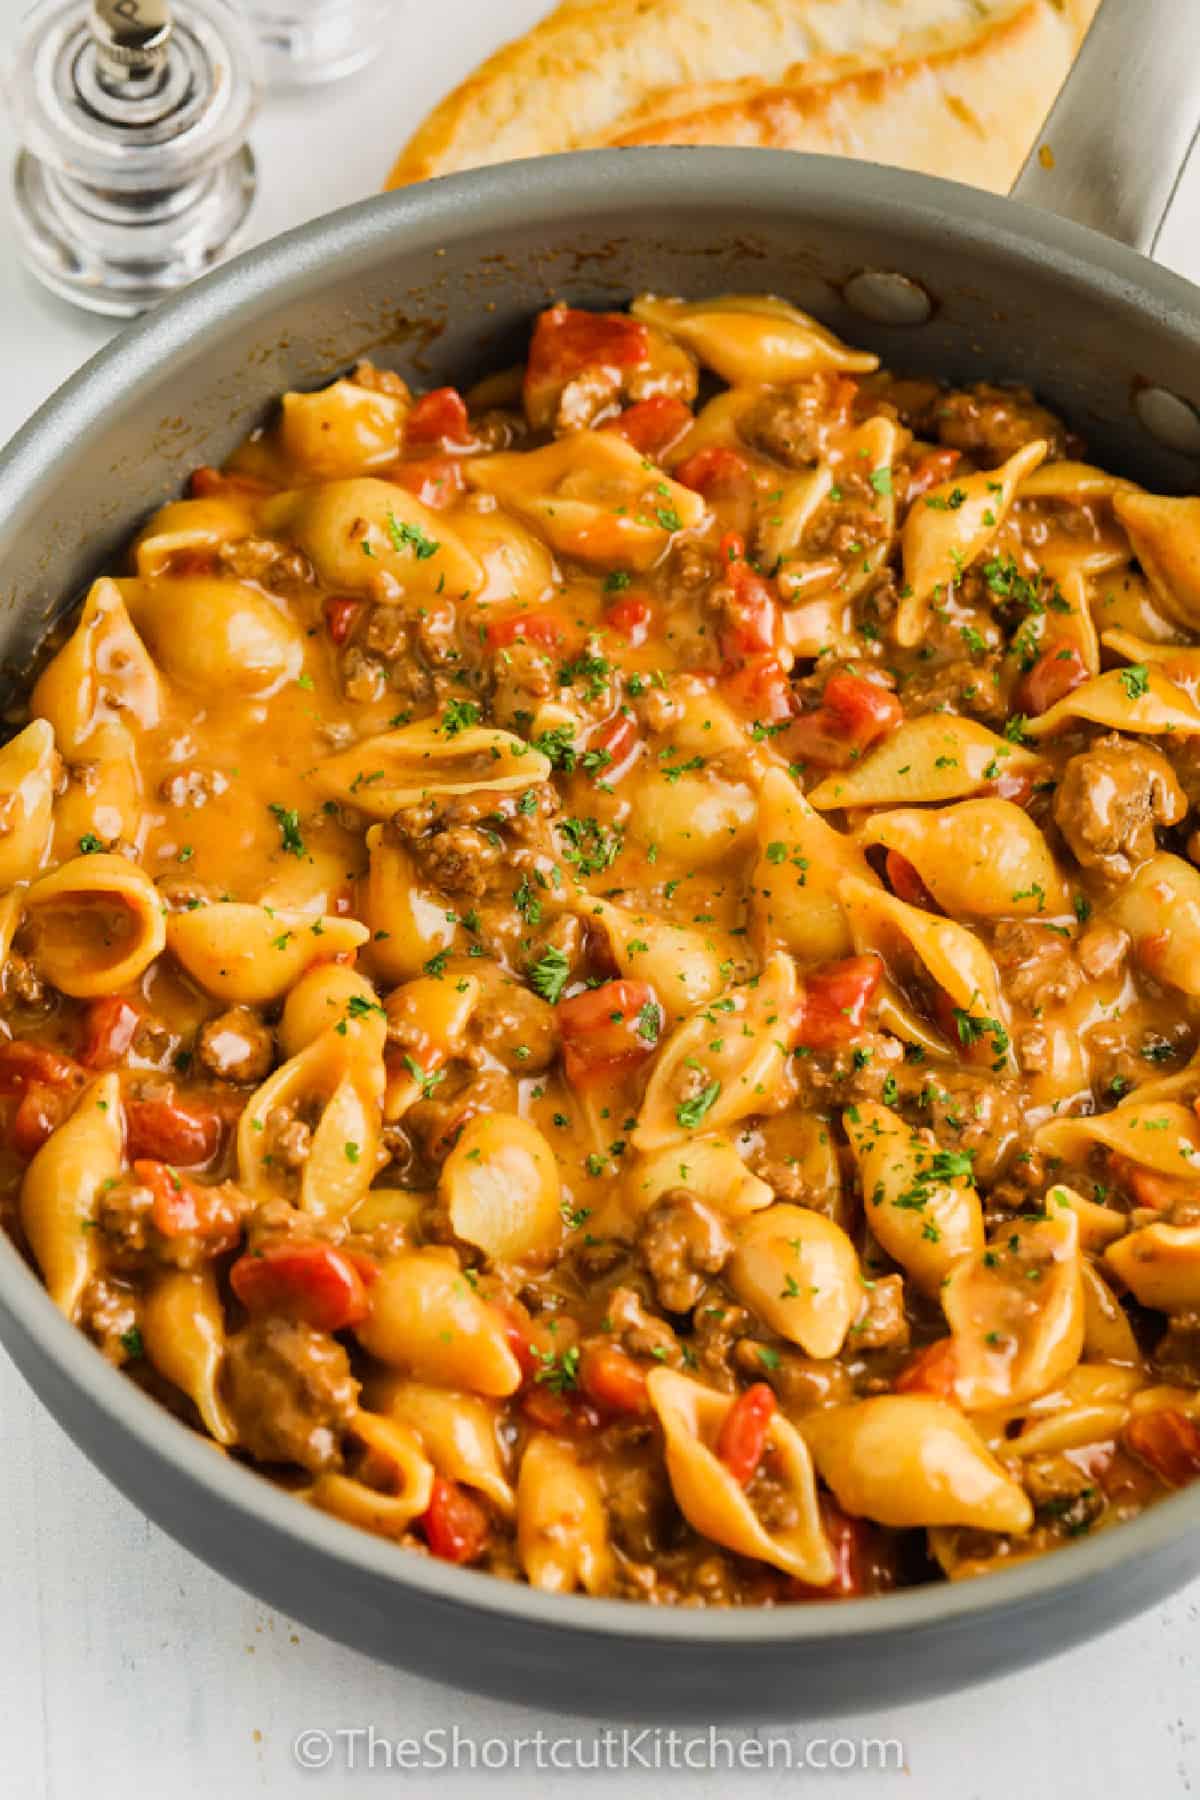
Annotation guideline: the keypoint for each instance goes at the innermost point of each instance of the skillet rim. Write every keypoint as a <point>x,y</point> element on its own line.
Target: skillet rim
<point>550,190</point>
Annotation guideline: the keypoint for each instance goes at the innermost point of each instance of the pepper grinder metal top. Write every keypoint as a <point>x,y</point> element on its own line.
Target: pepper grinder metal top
<point>135,176</point>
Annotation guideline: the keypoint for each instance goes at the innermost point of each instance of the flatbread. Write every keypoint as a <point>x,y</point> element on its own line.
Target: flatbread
<point>954,87</point>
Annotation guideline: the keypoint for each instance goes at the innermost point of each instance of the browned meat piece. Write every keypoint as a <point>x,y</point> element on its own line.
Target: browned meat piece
<point>461,860</point>
<point>22,981</point>
<point>882,1323</point>
<point>437,634</point>
<point>132,1240</point>
<point>436,1123</point>
<point>524,676</point>
<point>513,1025</point>
<point>1038,968</point>
<point>364,677</point>
<point>1102,951</point>
<point>236,1046</point>
<point>387,631</point>
<point>682,1242</point>
<point>637,1498</point>
<point>459,844</point>
<point>289,1138</point>
<point>638,1331</point>
<point>993,422</point>
<point>1177,1353</point>
<point>789,424</point>
<point>279,568</point>
<point>291,1393</point>
<point>1109,801</point>
<point>969,1112</point>
<point>801,1382</point>
<point>109,1316</point>
<point>1062,1494</point>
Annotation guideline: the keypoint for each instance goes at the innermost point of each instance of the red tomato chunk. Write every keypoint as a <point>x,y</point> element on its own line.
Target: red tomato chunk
<point>315,1283</point>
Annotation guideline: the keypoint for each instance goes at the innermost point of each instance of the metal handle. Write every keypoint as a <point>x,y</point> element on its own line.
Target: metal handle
<point>1115,146</point>
<point>131,36</point>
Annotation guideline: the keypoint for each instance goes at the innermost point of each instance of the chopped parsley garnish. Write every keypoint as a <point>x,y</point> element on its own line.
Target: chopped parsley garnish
<point>90,844</point>
<point>288,820</point>
<point>458,715</point>
<point>558,1372</point>
<point>590,846</point>
<point>689,1113</point>
<point>1136,680</point>
<point>403,534</point>
<point>550,973</point>
<point>131,1343</point>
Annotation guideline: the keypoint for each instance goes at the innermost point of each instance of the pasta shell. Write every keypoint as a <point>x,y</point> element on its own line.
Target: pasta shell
<point>395,1457</point>
<point>591,495</point>
<point>456,1431</point>
<point>501,1189</point>
<point>873,447</point>
<point>427,1321</point>
<point>1070,625</point>
<point>517,567</point>
<point>1107,1334</point>
<point>949,955</point>
<point>984,858</point>
<point>935,756</point>
<point>29,770</point>
<point>698,819</point>
<point>408,924</point>
<point>200,524</point>
<point>1123,700</point>
<point>682,966</point>
<point>251,955</point>
<point>714,1503</point>
<point>752,337</point>
<point>1126,602</point>
<point>798,1271</point>
<point>793,508</point>
<point>219,638</point>
<point>61,1188</point>
<point>96,924</point>
<point>1160,909</point>
<point>1098,1225</point>
<point>562,1531</point>
<point>1016,1312</point>
<point>106,803</point>
<point>950,528</point>
<point>1165,535</point>
<point>414,762</point>
<point>794,888</point>
<point>907,1459</point>
<point>1180,663</point>
<point>1164,1137</point>
<point>1081,482</point>
<point>1160,1265</point>
<point>342,429</point>
<point>708,1167</point>
<point>183,1330</point>
<point>326,996</point>
<point>341,1075</point>
<point>364,533</point>
<point>434,1014</point>
<point>102,674</point>
<point>723,1063</point>
<point>920,1202</point>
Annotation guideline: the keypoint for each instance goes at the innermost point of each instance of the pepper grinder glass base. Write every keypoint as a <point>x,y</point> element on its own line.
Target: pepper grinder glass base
<point>304,42</point>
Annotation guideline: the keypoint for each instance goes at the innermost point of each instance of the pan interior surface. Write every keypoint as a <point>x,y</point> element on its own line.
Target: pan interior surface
<point>440,283</point>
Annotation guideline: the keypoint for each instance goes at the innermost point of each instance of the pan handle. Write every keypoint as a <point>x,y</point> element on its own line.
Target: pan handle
<point>1115,146</point>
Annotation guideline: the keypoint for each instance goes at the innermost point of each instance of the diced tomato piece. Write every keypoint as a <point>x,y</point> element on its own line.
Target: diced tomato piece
<point>182,1206</point>
<point>716,472</point>
<point>567,1415</point>
<point>905,883</point>
<point>613,1380</point>
<point>932,1370</point>
<point>171,1132</point>
<point>566,341</point>
<point>548,630</point>
<point>456,1525</point>
<point>608,1030</point>
<point>40,1111</point>
<point>516,1336</point>
<point>760,689</point>
<point>855,712</point>
<point>438,417</point>
<point>934,467</point>
<point>743,1434</point>
<point>1054,675</point>
<point>751,621</point>
<point>1148,1188</point>
<point>653,425</point>
<point>618,740</point>
<point>833,1006</point>
<point>1168,1442</point>
<point>341,610</point>
<point>860,1558</point>
<point>23,1065</point>
<point>184,564</point>
<point>204,482</point>
<point>437,481</point>
<point>632,615</point>
<point>308,1281</point>
<point>109,1027</point>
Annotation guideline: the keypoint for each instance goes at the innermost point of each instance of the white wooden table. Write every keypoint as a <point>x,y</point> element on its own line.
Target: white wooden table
<point>127,1668</point>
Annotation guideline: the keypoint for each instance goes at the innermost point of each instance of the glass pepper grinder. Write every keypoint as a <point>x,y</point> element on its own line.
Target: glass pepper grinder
<point>135,175</point>
<point>306,41</point>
